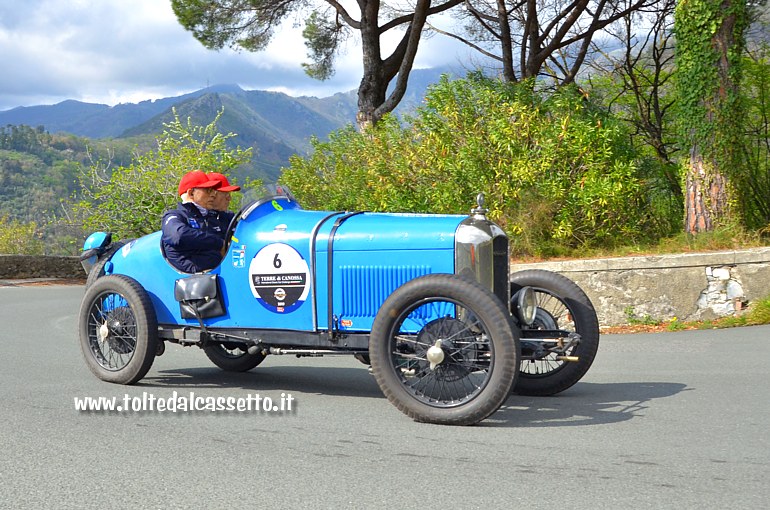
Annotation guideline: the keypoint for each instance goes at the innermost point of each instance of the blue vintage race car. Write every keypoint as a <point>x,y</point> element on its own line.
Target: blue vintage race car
<point>426,300</point>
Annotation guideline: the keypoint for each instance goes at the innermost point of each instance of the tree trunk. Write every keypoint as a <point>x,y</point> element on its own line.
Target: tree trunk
<point>706,195</point>
<point>373,87</point>
<point>371,94</point>
<point>373,98</point>
<point>709,190</point>
<point>506,42</point>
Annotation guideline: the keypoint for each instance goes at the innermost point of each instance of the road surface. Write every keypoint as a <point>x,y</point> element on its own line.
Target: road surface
<point>669,420</point>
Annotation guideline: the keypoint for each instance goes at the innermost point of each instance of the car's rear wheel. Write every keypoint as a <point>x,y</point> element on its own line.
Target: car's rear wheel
<point>232,358</point>
<point>118,329</point>
<point>562,307</point>
<point>443,350</point>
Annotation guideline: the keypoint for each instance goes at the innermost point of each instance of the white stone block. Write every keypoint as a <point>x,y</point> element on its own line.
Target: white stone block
<point>721,273</point>
<point>734,290</point>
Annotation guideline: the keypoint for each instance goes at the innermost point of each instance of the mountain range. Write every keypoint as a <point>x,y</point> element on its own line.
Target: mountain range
<point>276,125</point>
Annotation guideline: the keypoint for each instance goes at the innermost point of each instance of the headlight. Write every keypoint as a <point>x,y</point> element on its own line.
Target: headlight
<point>526,305</point>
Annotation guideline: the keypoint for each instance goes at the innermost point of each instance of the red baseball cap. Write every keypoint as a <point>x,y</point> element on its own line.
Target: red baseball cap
<point>222,180</point>
<point>196,179</point>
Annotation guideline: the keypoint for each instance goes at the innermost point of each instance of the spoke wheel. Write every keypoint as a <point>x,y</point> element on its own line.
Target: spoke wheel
<point>552,314</point>
<point>562,306</point>
<point>443,350</point>
<point>118,329</point>
<point>231,358</point>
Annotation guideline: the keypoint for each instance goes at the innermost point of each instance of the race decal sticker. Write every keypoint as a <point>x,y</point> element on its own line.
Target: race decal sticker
<point>239,256</point>
<point>279,278</point>
<point>126,248</point>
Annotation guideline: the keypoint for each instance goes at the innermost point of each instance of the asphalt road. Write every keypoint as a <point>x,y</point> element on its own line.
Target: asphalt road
<point>671,420</point>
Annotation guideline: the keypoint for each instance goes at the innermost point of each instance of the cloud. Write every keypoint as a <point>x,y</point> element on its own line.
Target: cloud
<point>112,51</point>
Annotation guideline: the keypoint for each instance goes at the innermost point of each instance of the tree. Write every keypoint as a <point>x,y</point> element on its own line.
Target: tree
<point>557,171</point>
<point>710,43</point>
<point>249,25</point>
<point>129,200</point>
<point>530,38</point>
<point>643,69</point>
<point>755,93</point>
<point>756,188</point>
<point>635,82</point>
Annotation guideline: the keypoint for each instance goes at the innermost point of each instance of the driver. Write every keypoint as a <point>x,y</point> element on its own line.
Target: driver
<point>192,238</point>
<point>221,204</point>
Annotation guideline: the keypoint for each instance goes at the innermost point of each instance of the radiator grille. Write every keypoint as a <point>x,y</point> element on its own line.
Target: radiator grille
<point>365,288</point>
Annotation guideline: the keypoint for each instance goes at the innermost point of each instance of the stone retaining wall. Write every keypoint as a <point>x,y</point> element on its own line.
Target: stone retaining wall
<point>688,287</point>
<point>22,267</point>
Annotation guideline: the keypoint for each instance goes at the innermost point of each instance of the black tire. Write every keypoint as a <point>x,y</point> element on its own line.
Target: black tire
<point>118,329</point>
<point>98,270</point>
<point>563,306</point>
<point>231,358</point>
<point>479,347</point>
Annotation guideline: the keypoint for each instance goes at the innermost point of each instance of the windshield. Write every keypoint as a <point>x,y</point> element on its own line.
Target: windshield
<point>258,193</point>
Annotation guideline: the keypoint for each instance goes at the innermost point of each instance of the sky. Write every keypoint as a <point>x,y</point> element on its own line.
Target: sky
<point>126,51</point>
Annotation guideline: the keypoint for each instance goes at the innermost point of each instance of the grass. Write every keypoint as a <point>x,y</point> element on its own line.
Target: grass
<point>635,320</point>
<point>719,240</point>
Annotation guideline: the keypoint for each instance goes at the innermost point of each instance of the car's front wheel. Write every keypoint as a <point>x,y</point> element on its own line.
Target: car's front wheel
<point>443,350</point>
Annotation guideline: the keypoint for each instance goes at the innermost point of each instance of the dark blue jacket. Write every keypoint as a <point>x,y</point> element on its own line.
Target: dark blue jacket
<point>192,242</point>
<point>223,218</point>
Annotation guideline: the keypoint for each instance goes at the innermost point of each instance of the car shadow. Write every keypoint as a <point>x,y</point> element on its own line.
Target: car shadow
<point>337,381</point>
<point>584,404</point>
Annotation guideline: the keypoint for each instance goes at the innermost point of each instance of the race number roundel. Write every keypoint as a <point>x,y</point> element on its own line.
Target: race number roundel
<point>279,278</point>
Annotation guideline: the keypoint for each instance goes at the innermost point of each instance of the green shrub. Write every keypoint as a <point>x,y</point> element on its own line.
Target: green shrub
<point>754,183</point>
<point>759,312</point>
<point>17,238</point>
<point>130,200</point>
<point>557,173</point>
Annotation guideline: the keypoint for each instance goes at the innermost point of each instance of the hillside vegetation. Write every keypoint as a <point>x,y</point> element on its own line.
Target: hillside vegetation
<point>567,171</point>
<point>39,176</point>
<point>558,173</point>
